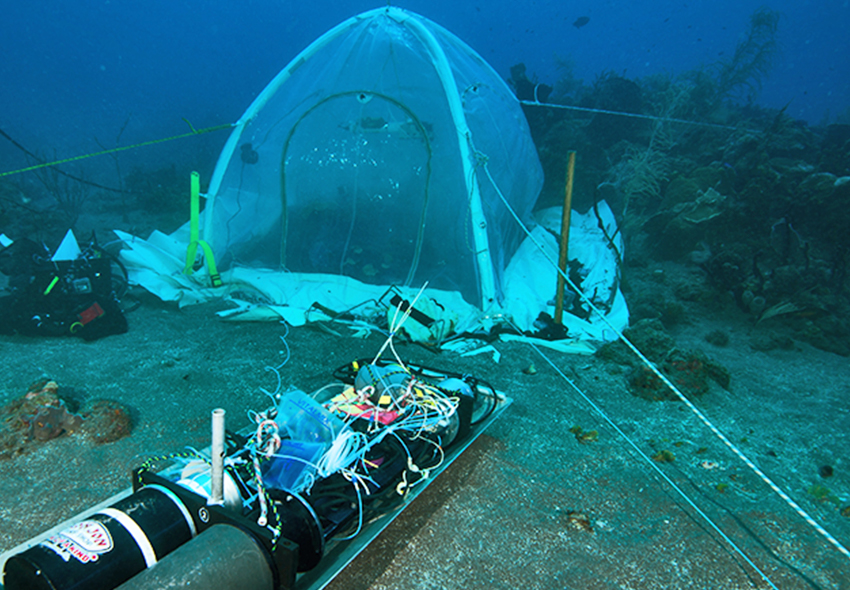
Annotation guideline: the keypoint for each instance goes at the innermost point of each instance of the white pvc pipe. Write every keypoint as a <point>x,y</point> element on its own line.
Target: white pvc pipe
<point>478,221</point>
<point>217,452</point>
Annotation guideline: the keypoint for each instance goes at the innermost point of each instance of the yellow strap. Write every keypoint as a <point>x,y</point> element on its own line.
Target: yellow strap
<point>215,278</point>
<point>194,224</point>
<point>194,234</point>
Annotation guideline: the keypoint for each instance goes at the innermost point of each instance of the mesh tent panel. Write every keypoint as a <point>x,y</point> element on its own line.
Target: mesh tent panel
<point>352,165</point>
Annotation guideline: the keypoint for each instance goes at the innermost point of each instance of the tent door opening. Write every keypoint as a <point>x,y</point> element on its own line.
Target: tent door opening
<point>355,173</point>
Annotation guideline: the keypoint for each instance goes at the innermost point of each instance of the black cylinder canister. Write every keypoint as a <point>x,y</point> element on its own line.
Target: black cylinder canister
<point>106,549</point>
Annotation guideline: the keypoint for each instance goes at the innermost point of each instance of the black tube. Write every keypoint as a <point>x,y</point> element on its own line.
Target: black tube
<point>107,548</point>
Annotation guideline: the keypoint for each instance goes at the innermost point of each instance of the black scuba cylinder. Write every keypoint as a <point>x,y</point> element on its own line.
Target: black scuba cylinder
<point>106,549</point>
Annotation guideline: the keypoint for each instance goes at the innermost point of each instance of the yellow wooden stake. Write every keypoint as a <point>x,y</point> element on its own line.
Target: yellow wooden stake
<point>565,239</point>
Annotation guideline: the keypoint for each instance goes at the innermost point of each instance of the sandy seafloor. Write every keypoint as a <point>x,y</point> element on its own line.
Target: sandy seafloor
<point>499,516</point>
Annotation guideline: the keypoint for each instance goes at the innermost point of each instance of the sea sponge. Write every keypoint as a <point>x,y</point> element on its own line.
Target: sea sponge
<point>107,421</point>
<point>53,420</point>
<point>664,456</point>
<point>688,370</point>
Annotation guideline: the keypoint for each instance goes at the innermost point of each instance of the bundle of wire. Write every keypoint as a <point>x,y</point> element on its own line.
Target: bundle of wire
<point>387,403</point>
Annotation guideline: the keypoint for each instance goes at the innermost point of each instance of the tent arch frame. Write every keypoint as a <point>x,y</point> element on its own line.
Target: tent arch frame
<point>422,132</point>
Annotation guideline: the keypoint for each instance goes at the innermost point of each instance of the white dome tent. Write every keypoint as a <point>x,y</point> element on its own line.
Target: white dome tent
<point>387,153</point>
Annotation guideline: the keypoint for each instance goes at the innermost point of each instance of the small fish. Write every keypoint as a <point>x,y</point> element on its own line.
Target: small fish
<point>581,21</point>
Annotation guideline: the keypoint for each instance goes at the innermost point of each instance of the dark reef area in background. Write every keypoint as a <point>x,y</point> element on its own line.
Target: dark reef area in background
<point>701,176</point>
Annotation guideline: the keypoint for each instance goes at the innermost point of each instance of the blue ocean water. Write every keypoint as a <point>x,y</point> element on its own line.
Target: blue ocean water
<point>81,77</point>
<point>76,72</point>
